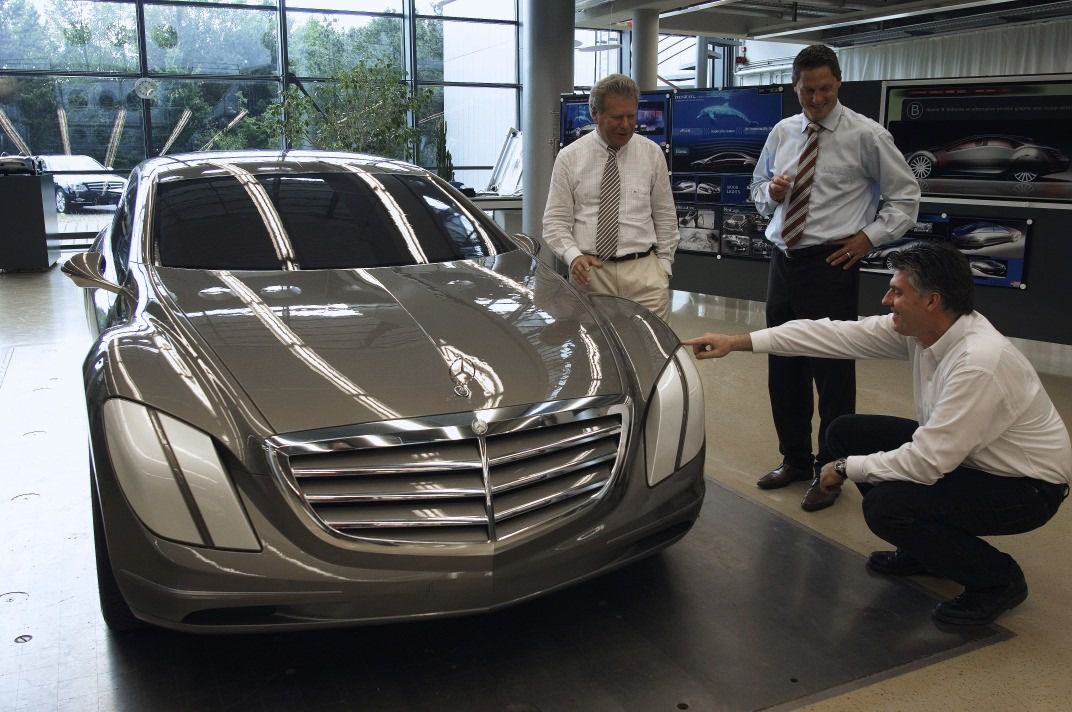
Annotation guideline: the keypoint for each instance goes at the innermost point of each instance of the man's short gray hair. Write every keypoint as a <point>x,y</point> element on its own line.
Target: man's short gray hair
<point>612,84</point>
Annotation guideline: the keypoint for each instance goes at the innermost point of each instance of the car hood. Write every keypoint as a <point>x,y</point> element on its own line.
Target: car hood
<point>69,179</point>
<point>323,348</point>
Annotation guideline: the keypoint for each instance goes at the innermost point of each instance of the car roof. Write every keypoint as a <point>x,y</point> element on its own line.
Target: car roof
<point>1007,137</point>
<point>183,166</point>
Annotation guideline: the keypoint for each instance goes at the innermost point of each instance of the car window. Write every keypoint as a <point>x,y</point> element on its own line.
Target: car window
<point>315,221</point>
<point>122,225</point>
<point>71,163</point>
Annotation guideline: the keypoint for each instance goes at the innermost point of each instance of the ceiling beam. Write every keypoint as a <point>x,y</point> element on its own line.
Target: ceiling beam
<point>891,12</point>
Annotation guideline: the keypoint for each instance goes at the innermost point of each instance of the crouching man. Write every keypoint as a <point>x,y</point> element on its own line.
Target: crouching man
<point>989,454</point>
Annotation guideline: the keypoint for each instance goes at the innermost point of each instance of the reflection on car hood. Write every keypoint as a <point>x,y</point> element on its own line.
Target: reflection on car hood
<point>322,348</point>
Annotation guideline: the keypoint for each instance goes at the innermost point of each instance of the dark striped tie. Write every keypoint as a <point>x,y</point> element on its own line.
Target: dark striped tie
<point>797,212</point>
<point>610,193</point>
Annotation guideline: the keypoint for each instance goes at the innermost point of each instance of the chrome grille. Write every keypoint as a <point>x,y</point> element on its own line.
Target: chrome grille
<point>448,485</point>
<point>99,186</point>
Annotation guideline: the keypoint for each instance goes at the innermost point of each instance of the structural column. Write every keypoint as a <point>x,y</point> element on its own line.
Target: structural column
<point>702,58</point>
<point>645,49</point>
<point>547,72</point>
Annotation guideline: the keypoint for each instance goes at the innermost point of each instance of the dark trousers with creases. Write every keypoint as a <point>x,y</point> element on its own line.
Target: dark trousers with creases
<point>806,287</point>
<point>940,524</point>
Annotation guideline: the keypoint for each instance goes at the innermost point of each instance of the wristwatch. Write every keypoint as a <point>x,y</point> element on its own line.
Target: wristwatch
<point>839,468</point>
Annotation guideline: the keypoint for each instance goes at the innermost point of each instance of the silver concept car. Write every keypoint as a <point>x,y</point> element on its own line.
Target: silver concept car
<point>328,390</point>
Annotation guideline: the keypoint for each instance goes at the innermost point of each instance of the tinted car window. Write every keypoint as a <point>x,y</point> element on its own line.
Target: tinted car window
<point>314,221</point>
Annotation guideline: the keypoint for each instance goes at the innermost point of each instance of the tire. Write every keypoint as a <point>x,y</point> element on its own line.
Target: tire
<point>1025,176</point>
<point>114,609</point>
<point>61,201</point>
<point>889,259</point>
<point>921,166</point>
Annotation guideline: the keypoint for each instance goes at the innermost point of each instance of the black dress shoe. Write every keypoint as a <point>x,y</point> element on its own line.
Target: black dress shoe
<point>783,476</point>
<point>816,498</point>
<point>895,563</point>
<point>980,606</point>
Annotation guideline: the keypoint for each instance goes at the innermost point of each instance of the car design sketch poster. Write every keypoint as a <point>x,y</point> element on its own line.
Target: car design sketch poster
<point>698,226</point>
<point>995,247</point>
<point>653,118</point>
<point>1001,139</point>
<point>717,136</point>
<point>742,233</point>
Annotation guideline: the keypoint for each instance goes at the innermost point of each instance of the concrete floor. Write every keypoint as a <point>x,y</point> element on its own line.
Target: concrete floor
<point>42,333</point>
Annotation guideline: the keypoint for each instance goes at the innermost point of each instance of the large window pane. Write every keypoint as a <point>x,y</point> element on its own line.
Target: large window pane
<point>320,45</point>
<point>199,116</point>
<point>597,54</point>
<point>68,35</point>
<point>478,119</point>
<point>88,134</point>
<point>76,115</point>
<point>266,3</point>
<point>392,6</point>
<point>484,9</point>
<point>211,40</point>
<point>466,52</point>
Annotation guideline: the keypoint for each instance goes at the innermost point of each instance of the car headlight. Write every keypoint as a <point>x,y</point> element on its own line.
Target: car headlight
<point>79,188</point>
<point>674,429</point>
<point>173,478</point>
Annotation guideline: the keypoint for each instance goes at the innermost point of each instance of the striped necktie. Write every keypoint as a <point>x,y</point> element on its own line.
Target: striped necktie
<point>610,193</point>
<point>797,212</point>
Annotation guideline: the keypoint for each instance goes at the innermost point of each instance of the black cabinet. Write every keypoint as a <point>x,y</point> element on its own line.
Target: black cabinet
<point>29,238</point>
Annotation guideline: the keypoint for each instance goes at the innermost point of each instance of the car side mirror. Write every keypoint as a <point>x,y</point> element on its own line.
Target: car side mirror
<point>86,269</point>
<point>528,243</point>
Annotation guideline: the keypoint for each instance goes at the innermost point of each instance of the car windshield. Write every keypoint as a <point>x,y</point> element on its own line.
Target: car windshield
<point>71,163</point>
<point>242,221</point>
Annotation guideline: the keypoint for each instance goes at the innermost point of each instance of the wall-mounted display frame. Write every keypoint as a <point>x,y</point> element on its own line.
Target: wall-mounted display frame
<point>996,248</point>
<point>717,136</point>
<point>653,118</point>
<point>990,138</point>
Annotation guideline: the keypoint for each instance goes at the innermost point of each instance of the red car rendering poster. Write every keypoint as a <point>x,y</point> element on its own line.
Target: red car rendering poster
<point>990,138</point>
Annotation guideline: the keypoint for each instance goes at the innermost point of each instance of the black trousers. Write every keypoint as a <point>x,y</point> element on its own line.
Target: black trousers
<point>940,524</point>
<point>806,287</point>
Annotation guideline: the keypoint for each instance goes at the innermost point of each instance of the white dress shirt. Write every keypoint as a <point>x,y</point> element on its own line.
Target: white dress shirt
<point>979,401</point>
<point>646,215</point>
<point>859,166</point>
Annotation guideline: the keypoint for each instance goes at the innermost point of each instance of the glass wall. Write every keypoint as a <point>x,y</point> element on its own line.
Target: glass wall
<point>121,80</point>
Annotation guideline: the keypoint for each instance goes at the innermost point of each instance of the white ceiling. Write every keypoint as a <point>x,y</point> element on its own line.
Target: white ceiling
<point>839,23</point>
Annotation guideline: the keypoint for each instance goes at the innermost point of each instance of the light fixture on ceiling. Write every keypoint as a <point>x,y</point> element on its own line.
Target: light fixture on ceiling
<point>694,8</point>
<point>893,12</point>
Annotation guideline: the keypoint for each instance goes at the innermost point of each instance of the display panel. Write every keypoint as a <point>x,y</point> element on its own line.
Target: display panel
<point>1001,139</point>
<point>996,248</point>
<point>717,137</point>
<point>653,118</point>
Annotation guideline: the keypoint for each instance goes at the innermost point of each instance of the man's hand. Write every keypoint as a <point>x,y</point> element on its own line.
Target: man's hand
<point>778,187</point>
<point>850,250</point>
<point>718,345</point>
<point>581,269</point>
<point>829,479</point>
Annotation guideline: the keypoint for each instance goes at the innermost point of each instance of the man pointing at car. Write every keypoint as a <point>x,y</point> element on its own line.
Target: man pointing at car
<point>987,455</point>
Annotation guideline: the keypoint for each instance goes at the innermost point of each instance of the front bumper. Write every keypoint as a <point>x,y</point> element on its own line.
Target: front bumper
<point>299,580</point>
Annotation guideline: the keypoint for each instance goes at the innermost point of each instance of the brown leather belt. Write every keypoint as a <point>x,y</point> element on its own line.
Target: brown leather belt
<point>631,256</point>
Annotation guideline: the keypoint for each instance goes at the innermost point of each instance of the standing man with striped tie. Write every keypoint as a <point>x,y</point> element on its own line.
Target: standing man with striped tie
<point>610,214</point>
<point>835,186</point>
